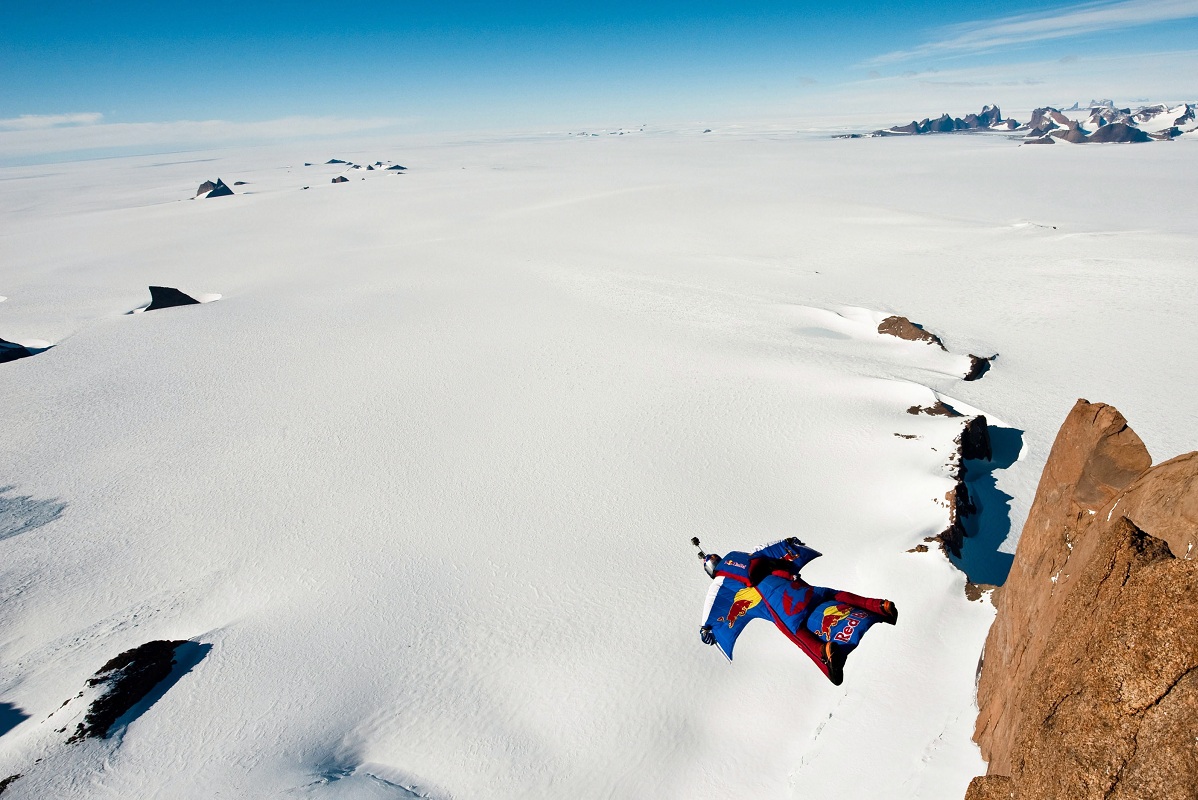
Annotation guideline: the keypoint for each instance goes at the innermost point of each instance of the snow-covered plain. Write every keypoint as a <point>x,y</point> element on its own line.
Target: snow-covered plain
<point>421,482</point>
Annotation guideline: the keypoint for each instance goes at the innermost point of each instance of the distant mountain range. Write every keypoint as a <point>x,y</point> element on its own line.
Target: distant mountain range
<point>1100,122</point>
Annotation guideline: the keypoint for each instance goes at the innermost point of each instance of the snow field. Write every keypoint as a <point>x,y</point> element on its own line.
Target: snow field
<point>424,477</point>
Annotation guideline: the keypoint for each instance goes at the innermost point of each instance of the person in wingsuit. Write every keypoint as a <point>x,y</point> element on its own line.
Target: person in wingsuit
<point>826,624</point>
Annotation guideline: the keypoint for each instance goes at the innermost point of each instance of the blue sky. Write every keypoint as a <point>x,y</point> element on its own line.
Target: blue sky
<point>463,65</point>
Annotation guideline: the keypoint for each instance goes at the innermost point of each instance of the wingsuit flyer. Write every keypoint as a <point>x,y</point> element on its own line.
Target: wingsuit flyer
<point>826,624</point>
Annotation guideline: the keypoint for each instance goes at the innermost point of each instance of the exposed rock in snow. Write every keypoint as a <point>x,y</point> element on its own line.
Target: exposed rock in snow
<point>167,297</point>
<point>215,188</point>
<point>124,682</point>
<point>989,118</point>
<point>1149,112</point>
<point>937,409</point>
<point>341,179</point>
<point>973,443</point>
<point>1047,118</point>
<point>1166,135</point>
<point>942,124</point>
<point>974,439</point>
<point>1115,124</point>
<point>11,351</point>
<point>978,366</point>
<point>1072,135</point>
<point>904,328</point>
<point>1118,132</point>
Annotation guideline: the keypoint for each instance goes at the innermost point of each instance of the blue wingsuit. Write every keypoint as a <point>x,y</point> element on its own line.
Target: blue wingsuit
<point>826,624</point>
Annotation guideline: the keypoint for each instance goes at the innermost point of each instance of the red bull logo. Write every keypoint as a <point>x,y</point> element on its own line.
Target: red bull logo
<point>844,620</point>
<point>845,634</point>
<point>833,615</point>
<point>744,600</point>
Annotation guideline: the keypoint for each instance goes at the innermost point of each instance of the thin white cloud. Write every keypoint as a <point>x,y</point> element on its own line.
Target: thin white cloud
<point>19,142</point>
<point>37,122</point>
<point>1016,86</point>
<point>1061,23</point>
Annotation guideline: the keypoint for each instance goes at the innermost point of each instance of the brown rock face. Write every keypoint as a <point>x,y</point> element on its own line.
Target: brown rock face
<point>990,787</point>
<point>1089,686</point>
<point>1165,503</point>
<point>978,366</point>
<point>1119,132</point>
<point>973,442</point>
<point>904,328</point>
<point>1071,135</point>
<point>1047,118</point>
<point>959,506</point>
<point>937,409</point>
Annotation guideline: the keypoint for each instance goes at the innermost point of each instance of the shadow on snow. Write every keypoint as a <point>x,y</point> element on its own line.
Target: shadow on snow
<point>10,717</point>
<point>187,656</point>
<point>985,531</point>
<point>20,513</point>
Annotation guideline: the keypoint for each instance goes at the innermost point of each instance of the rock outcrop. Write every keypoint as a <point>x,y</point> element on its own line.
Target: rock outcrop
<point>1089,683</point>
<point>124,682</point>
<point>341,179</point>
<point>1118,132</point>
<point>1072,135</point>
<point>990,118</point>
<point>1047,118</point>
<point>978,366</point>
<point>11,351</point>
<point>216,188</point>
<point>168,297</point>
<point>937,409</point>
<point>1105,124</point>
<point>904,328</point>
<point>972,443</point>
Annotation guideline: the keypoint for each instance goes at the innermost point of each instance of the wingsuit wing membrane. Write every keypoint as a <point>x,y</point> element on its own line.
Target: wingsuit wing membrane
<point>800,555</point>
<point>730,606</point>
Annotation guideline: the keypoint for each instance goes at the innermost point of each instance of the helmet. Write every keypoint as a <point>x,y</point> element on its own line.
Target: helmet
<point>712,562</point>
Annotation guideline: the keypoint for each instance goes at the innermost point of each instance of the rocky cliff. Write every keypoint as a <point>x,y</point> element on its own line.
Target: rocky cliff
<point>1089,682</point>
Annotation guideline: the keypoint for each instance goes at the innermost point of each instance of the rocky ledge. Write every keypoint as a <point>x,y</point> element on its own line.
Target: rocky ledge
<point>1088,686</point>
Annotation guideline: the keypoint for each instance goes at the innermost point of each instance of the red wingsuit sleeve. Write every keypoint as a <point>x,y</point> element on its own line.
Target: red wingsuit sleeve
<point>868,603</point>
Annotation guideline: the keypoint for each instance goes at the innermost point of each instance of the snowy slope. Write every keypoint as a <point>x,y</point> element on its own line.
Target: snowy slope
<point>423,477</point>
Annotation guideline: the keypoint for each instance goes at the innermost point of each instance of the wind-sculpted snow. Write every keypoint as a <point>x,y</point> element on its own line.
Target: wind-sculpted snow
<point>424,479</point>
